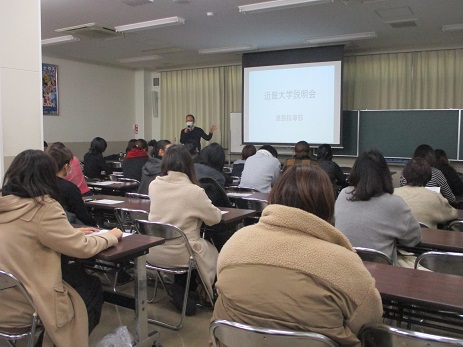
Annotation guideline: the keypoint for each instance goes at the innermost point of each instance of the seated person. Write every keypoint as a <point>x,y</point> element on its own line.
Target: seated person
<point>152,167</point>
<point>33,218</point>
<point>325,159</point>
<point>369,214</point>
<point>238,165</point>
<point>427,207</point>
<point>293,270</point>
<point>135,159</point>
<point>75,174</point>
<point>302,155</point>
<point>176,198</point>
<point>261,170</point>
<point>451,175</point>
<point>437,179</point>
<point>94,163</point>
<point>211,163</point>
<point>71,199</point>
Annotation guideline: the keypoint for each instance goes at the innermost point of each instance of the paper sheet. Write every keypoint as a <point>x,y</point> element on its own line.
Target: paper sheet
<point>107,202</point>
<point>104,231</point>
<point>238,194</point>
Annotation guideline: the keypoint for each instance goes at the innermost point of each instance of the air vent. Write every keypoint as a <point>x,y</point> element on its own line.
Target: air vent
<point>156,82</point>
<point>137,2</point>
<point>91,30</point>
<point>400,24</point>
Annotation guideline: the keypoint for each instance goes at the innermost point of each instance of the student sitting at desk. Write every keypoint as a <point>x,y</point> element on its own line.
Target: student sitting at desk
<point>437,178</point>
<point>261,170</point>
<point>428,207</point>
<point>451,175</point>
<point>369,214</point>
<point>94,162</point>
<point>71,199</point>
<point>176,198</point>
<point>293,270</point>
<point>325,159</point>
<point>135,159</point>
<point>238,165</point>
<point>35,233</point>
<point>302,156</point>
<point>152,167</point>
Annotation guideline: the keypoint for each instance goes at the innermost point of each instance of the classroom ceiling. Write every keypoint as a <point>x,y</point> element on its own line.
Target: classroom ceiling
<point>400,25</point>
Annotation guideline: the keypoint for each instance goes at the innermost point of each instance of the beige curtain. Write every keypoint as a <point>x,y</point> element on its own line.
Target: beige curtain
<point>415,80</point>
<point>210,94</point>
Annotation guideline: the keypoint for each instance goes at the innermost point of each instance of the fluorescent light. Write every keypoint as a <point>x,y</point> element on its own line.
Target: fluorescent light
<point>277,4</point>
<point>59,39</point>
<point>150,24</point>
<point>340,38</point>
<point>226,49</point>
<point>452,27</point>
<point>139,59</point>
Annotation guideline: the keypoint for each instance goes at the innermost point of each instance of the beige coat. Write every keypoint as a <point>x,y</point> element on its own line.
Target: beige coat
<point>427,207</point>
<point>175,200</point>
<point>33,238</point>
<point>294,271</point>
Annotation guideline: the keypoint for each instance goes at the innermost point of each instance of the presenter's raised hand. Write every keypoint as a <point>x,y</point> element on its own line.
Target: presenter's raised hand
<point>213,128</point>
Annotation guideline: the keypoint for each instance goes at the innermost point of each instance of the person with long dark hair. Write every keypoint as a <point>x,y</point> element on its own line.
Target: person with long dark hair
<point>211,163</point>
<point>369,214</point>
<point>293,270</point>
<point>176,198</point>
<point>437,177</point>
<point>451,175</point>
<point>35,233</point>
<point>152,167</point>
<point>94,162</point>
<point>325,159</point>
<point>136,157</point>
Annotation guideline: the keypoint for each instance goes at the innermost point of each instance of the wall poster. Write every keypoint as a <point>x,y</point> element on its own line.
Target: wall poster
<point>50,89</point>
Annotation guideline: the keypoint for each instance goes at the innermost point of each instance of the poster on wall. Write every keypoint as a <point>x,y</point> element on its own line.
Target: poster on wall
<point>50,89</point>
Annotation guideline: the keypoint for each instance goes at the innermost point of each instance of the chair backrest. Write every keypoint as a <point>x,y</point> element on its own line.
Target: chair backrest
<point>456,225</point>
<point>242,189</point>
<point>126,218</point>
<point>164,230</point>
<point>251,204</point>
<point>368,254</point>
<point>444,262</point>
<point>137,196</point>
<point>215,192</point>
<point>381,335</point>
<point>234,334</point>
<point>9,281</point>
<point>237,169</point>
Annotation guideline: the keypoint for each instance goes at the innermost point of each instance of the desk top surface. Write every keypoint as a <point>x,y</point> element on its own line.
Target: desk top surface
<point>425,288</point>
<point>232,215</point>
<point>117,185</point>
<point>131,246</point>
<point>442,240</point>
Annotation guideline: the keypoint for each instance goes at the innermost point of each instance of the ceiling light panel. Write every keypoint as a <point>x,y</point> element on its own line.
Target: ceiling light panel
<point>452,27</point>
<point>140,59</point>
<point>230,49</point>
<point>340,38</point>
<point>150,24</point>
<point>278,4</point>
<point>59,40</point>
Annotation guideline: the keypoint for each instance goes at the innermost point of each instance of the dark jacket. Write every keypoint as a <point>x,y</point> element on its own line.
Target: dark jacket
<point>132,167</point>
<point>94,164</point>
<point>71,200</point>
<point>202,170</point>
<point>149,172</point>
<point>335,173</point>
<point>454,181</point>
<point>194,137</point>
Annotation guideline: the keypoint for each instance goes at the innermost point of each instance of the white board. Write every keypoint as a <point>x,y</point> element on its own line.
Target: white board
<point>236,145</point>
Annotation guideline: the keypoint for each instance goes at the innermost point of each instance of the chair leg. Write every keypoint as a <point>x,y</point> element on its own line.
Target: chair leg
<point>185,300</point>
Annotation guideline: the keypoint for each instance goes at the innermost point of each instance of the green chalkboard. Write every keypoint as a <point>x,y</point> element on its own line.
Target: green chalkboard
<point>349,134</point>
<point>397,133</point>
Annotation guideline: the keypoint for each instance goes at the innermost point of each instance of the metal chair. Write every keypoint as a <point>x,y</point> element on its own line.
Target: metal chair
<point>444,262</point>
<point>170,232</point>
<point>126,218</point>
<point>381,335</point>
<point>456,225</point>
<point>215,192</point>
<point>234,334</point>
<point>9,282</point>
<point>242,189</point>
<point>137,196</point>
<point>368,254</point>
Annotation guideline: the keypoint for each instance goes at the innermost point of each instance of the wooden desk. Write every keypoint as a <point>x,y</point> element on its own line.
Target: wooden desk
<point>134,247</point>
<point>113,187</point>
<point>442,240</point>
<point>234,214</point>
<point>421,293</point>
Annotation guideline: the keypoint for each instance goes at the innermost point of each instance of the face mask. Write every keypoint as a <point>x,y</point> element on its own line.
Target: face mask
<point>189,124</point>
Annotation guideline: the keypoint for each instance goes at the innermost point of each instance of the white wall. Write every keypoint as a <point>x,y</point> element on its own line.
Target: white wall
<point>20,79</point>
<point>94,100</point>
